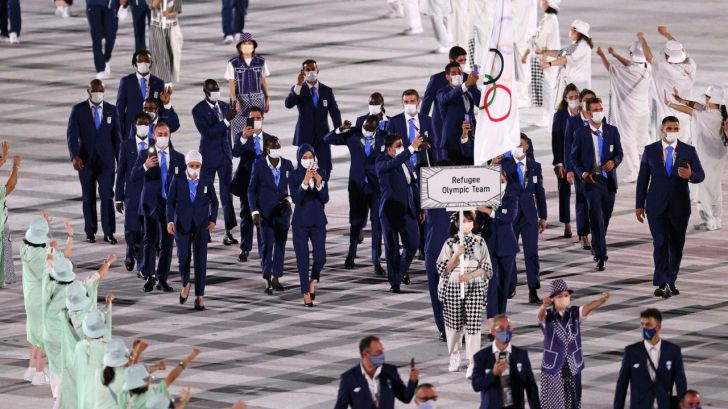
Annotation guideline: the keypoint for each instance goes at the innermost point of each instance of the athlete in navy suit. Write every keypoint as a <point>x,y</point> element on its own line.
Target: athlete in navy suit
<point>663,193</point>
<point>457,102</point>
<point>376,107</point>
<point>93,145</point>
<point>409,124</point>
<point>131,95</point>
<point>141,15</point>
<point>558,129</point>
<point>315,103</point>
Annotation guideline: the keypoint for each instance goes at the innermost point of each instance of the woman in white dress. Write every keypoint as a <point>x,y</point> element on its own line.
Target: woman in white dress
<point>708,131</point>
<point>574,60</point>
<point>543,81</point>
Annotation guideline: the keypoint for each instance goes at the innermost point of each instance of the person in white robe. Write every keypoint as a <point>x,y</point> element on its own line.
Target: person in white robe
<point>543,82</point>
<point>439,10</point>
<point>459,23</point>
<point>410,10</point>
<point>525,18</point>
<point>629,104</point>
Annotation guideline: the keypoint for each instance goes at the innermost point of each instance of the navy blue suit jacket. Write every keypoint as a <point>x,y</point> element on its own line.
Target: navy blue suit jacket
<point>664,193</point>
<point>126,189</point>
<point>498,230</point>
<point>529,208</point>
<point>452,110</point>
<point>90,144</point>
<point>572,124</point>
<point>361,166</point>
<point>184,213</point>
<point>558,130</point>
<point>635,374</point>
<point>398,198</point>
<point>429,102</point>
<point>398,124</point>
<point>263,195</point>
<point>313,122</point>
<point>151,202</point>
<point>246,153</point>
<point>437,223</point>
<point>310,202</point>
<point>129,101</point>
<point>215,144</point>
<point>521,374</point>
<point>354,389</point>
<point>582,152</point>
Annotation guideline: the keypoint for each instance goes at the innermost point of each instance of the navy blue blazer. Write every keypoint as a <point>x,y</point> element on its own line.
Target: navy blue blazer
<point>246,153</point>
<point>398,124</point>
<point>263,195</point>
<point>452,110</point>
<point>582,152</point>
<point>151,202</point>
<point>437,223</point>
<point>310,202</point>
<point>184,213</point>
<point>522,379</point>
<point>529,208</point>
<point>354,389</point>
<point>558,130</point>
<point>572,124</point>
<point>498,230</point>
<point>126,189</point>
<point>313,122</point>
<point>398,198</point>
<point>664,193</point>
<point>90,144</point>
<point>635,374</point>
<point>215,144</point>
<point>429,102</point>
<point>361,166</point>
<point>129,101</point>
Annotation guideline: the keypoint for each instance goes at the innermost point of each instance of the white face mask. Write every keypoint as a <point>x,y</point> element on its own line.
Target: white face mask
<point>597,116</point>
<point>518,152</point>
<point>456,80</point>
<point>247,48</point>
<point>142,131</point>
<point>274,153</point>
<point>467,227</point>
<point>367,134</point>
<point>306,163</point>
<point>573,103</point>
<point>375,109</point>
<point>214,96</point>
<point>97,97</point>
<point>257,125</point>
<point>399,150</point>
<point>410,109</point>
<point>152,116</point>
<point>162,142</point>
<point>462,67</point>
<point>671,137</point>
<point>143,68</point>
<point>311,76</point>
<point>193,173</point>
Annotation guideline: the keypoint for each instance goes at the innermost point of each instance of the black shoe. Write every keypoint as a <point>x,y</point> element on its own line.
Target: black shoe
<point>378,270</point>
<point>163,286</point>
<point>228,239</point>
<point>313,296</point>
<point>673,289</point>
<point>663,292</point>
<point>110,239</point>
<point>406,279</point>
<point>269,287</point>
<point>600,265</point>
<point>568,235</point>
<point>90,238</point>
<point>277,284</point>
<point>442,337</point>
<point>243,256</point>
<point>512,293</point>
<point>209,238</point>
<point>198,306</point>
<point>149,285</point>
<point>394,289</point>
<point>129,263</point>
<point>183,300</point>
<point>533,296</point>
<point>585,246</point>
<point>349,263</point>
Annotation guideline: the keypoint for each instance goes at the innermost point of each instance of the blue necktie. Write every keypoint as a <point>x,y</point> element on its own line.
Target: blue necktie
<point>193,189</point>
<point>143,85</point>
<point>668,160</point>
<point>412,132</point>
<point>217,113</point>
<point>97,117</point>
<point>163,165</point>
<point>256,141</point>
<point>276,174</point>
<point>600,139</point>
<point>368,145</point>
<point>521,176</point>
<point>142,146</point>
<point>314,95</point>
<point>383,125</point>
<point>151,131</point>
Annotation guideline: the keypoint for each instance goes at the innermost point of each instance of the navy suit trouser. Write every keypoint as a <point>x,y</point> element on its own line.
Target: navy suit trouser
<point>433,279</point>
<point>233,16</point>
<point>668,239</point>
<point>10,20</point>
<point>225,172</point>
<point>361,206</point>
<point>406,229</point>
<point>601,204</point>
<point>95,176</point>
<point>581,206</point>
<point>133,231</point>
<point>155,234</point>
<point>564,200</point>
<point>301,237</point>
<point>193,242</point>
<point>103,24</point>
<point>247,226</point>
<point>140,16</point>
<point>504,271</point>
<point>527,230</point>
<point>272,247</point>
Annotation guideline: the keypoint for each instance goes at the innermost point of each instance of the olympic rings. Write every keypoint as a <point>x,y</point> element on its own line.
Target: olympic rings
<point>492,80</point>
<point>487,111</point>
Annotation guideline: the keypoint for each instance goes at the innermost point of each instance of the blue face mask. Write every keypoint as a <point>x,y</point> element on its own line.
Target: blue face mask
<point>504,336</point>
<point>377,360</point>
<point>648,334</point>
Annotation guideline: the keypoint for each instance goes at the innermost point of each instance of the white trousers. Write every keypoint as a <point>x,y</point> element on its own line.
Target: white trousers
<point>411,9</point>
<point>442,35</point>
<point>175,42</point>
<point>472,342</point>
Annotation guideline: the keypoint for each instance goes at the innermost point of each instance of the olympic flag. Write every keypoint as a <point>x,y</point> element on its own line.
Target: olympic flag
<point>498,129</point>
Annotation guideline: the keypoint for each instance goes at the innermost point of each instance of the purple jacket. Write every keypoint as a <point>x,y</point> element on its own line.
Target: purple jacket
<point>562,340</point>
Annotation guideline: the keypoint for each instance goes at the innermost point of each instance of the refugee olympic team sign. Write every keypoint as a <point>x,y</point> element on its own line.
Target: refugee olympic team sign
<point>460,187</point>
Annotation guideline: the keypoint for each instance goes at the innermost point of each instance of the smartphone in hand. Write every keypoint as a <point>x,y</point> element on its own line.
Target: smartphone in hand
<point>250,122</point>
<point>412,363</point>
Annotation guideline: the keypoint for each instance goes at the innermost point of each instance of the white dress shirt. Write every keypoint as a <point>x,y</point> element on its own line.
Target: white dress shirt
<point>373,382</point>
<point>664,151</point>
<point>654,352</point>
<point>407,173</point>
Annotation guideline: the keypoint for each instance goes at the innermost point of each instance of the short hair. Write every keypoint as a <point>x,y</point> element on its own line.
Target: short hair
<point>585,92</point>
<point>310,61</point>
<point>456,52</point>
<point>152,100</point>
<point>595,100</point>
<point>451,65</point>
<point>525,137</point>
<point>652,313</point>
<point>371,119</point>
<point>256,109</point>
<point>209,83</point>
<point>688,392</point>
<point>142,115</point>
<point>670,118</point>
<point>411,92</point>
<point>390,139</point>
<point>366,342</point>
<point>137,54</point>
<point>162,124</point>
<point>428,386</point>
<point>551,10</point>
<point>496,318</point>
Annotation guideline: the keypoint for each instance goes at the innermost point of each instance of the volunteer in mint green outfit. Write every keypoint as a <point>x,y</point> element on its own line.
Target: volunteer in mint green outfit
<point>89,356</point>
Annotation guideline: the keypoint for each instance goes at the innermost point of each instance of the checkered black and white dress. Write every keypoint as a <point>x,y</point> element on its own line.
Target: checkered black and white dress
<point>464,311</point>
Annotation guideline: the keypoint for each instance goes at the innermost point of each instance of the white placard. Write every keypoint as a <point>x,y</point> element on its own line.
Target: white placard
<point>460,187</point>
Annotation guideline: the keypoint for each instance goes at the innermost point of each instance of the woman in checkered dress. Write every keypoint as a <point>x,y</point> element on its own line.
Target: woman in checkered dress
<point>462,291</point>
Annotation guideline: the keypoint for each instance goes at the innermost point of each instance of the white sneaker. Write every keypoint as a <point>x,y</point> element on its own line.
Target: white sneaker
<point>102,75</point>
<point>59,11</point>
<point>40,378</point>
<point>469,371</point>
<point>454,362</point>
<point>227,40</point>
<point>28,376</point>
<point>711,225</point>
<point>442,50</point>
<point>66,13</point>
<point>237,37</point>
<point>107,69</point>
<point>413,32</point>
<point>13,39</point>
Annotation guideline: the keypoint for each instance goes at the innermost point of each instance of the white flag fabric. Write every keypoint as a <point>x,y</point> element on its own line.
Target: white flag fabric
<point>498,129</point>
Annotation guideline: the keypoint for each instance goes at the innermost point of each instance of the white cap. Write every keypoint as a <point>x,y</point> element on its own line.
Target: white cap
<point>136,377</point>
<point>716,94</point>
<point>94,324</point>
<point>193,156</point>
<point>76,297</point>
<point>117,354</point>
<point>62,269</point>
<point>554,4</point>
<point>636,52</point>
<point>581,27</point>
<point>675,52</point>
<point>158,401</point>
<point>37,231</point>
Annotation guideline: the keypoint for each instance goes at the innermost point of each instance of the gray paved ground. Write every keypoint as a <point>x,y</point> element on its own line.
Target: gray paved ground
<point>271,351</point>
